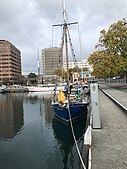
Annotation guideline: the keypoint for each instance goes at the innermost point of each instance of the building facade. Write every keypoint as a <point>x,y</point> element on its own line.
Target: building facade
<point>80,65</point>
<point>52,59</point>
<point>10,63</point>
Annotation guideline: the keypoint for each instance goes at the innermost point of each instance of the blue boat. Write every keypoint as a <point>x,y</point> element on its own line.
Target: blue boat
<point>72,112</point>
<point>67,106</point>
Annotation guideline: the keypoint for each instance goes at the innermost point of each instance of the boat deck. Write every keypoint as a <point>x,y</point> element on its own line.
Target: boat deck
<point>109,147</point>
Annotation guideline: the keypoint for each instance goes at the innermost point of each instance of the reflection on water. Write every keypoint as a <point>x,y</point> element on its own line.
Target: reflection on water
<point>63,134</point>
<point>30,136</point>
<point>44,101</point>
<point>11,115</point>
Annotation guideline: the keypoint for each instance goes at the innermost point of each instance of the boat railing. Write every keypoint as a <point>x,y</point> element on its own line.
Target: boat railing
<point>74,96</point>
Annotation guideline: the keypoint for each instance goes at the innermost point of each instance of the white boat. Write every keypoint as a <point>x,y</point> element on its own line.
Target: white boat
<point>2,88</point>
<point>47,88</point>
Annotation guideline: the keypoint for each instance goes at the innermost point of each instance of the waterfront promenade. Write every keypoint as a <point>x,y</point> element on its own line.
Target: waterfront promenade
<point>109,147</point>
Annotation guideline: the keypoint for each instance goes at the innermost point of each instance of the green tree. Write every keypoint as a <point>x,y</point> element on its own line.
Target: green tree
<point>85,69</point>
<point>110,57</point>
<point>60,72</point>
<point>115,39</point>
<point>21,79</point>
<point>32,77</point>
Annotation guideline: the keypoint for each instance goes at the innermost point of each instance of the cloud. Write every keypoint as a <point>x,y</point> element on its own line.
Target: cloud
<point>28,24</point>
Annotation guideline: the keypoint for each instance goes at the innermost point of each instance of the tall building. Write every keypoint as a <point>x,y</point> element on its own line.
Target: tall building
<point>10,62</point>
<point>52,60</point>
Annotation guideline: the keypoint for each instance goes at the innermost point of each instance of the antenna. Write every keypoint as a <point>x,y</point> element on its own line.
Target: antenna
<point>64,11</point>
<point>38,66</point>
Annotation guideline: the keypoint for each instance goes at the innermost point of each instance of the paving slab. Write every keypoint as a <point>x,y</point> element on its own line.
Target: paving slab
<point>119,95</point>
<point>109,147</point>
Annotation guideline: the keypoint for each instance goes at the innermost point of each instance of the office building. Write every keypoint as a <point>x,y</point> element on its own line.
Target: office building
<point>52,60</point>
<point>10,63</point>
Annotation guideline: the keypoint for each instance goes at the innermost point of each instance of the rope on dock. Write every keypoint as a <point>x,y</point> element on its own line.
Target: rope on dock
<point>75,138</point>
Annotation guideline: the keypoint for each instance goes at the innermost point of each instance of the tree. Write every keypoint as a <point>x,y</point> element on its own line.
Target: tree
<point>110,57</point>
<point>60,72</point>
<point>32,78</point>
<point>85,69</point>
<point>32,75</point>
<point>105,65</point>
<point>115,39</point>
<point>21,80</point>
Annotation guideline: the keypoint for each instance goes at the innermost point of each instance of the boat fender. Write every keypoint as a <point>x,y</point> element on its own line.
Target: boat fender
<point>61,97</point>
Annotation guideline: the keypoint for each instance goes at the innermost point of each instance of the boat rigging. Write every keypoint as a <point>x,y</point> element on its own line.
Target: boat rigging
<point>65,37</point>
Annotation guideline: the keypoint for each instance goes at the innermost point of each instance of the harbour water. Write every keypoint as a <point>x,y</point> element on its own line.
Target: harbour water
<point>30,136</point>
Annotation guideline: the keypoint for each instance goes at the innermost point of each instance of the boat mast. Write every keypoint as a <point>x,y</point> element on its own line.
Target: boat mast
<point>66,41</point>
<point>65,37</point>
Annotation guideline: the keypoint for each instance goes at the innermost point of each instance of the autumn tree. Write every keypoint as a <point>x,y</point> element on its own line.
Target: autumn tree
<point>110,57</point>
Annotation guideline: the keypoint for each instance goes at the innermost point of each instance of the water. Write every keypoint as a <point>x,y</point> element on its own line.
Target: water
<point>30,136</point>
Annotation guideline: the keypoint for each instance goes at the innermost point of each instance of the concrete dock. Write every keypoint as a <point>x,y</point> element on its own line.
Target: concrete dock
<point>109,147</point>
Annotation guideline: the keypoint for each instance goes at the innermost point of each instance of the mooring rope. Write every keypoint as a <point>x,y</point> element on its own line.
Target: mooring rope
<point>75,138</point>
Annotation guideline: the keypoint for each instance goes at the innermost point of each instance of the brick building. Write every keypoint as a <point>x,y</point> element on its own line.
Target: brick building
<point>10,63</point>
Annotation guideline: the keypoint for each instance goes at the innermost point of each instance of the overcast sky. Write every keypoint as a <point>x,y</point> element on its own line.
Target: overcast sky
<point>28,25</point>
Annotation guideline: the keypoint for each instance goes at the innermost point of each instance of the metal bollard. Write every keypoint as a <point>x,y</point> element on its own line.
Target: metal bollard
<point>95,105</point>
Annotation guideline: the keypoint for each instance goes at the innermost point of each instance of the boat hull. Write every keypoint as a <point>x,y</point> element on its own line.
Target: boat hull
<point>2,89</point>
<point>40,89</point>
<point>44,89</point>
<point>76,110</point>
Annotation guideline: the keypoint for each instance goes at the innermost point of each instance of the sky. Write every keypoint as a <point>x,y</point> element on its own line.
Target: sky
<point>27,24</point>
